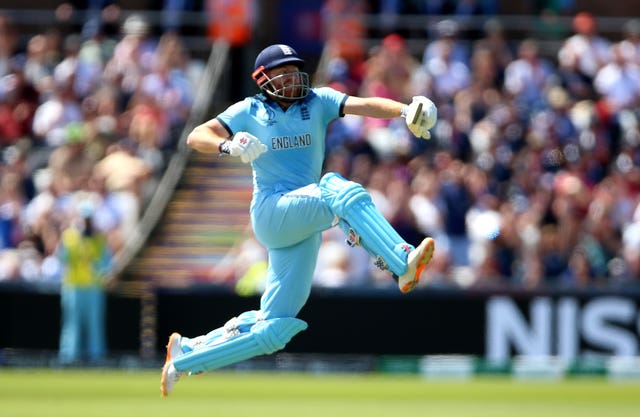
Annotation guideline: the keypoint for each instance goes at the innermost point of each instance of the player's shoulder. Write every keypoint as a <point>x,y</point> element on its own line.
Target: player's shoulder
<point>324,90</point>
<point>257,97</point>
<point>244,104</point>
<point>250,100</point>
<point>325,93</point>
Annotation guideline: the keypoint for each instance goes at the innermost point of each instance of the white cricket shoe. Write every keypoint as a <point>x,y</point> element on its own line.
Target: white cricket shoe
<point>416,263</point>
<point>170,375</point>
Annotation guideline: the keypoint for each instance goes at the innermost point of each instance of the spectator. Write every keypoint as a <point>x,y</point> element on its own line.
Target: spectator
<point>476,102</point>
<point>59,110</point>
<point>344,29</point>
<point>400,216</point>
<point>38,67</point>
<point>11,202</point>
<point>8,44</point>
<point>332,267</point>
<point>627,269</point>
<point>389,73</point>
<point>426,205</point>
<point>446,43</point>
<point>529,77</point>
<point>495,42</point>
<point>86,261</point>
<point>447,64</point>
<point>579,269</point>
<point>132,56</point>
<point>70,164</point>
<point>457,201</point>
<point>124,176</point>
<point>169,87</point>
<point>41,224</point>
<point>618,83</point>
<point>148,130</point>
<point>390,69</point>
<point>244,265</point>
<point>630,43</point>
<point>101,117</point>
<point>95,50</point>
<point>582,55</point>
<point>18,103</point>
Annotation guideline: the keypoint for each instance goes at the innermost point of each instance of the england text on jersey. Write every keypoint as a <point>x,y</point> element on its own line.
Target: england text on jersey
<point>289,142</point>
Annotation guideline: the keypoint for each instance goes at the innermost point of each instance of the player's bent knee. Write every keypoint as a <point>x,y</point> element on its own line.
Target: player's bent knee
<point>272,335</point>
<point>341,194</point>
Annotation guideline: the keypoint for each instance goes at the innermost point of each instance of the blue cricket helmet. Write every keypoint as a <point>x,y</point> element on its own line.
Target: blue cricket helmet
<point>274,56</point>
<point>277,55</point>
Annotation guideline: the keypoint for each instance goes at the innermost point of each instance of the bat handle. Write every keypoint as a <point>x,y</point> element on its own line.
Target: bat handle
<point>417,114</point>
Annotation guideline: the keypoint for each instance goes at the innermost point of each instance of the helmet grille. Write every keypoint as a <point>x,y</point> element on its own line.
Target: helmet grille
<point>290,86</point>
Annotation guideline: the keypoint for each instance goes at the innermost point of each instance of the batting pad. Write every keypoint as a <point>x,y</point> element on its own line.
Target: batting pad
<point>352,203</point>
<point>264,337</point>
<point>242,324</point>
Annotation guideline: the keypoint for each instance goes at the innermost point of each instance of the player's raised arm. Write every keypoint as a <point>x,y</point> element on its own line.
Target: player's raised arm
<point>378,107</point>
<point>420,115</point>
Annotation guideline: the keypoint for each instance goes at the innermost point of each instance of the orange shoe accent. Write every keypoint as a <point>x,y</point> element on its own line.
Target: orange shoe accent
<point>424,256</point>
<point>172,348</point>
<point>163,380</point>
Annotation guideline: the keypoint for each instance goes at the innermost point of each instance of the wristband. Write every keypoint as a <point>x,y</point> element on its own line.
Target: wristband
<point>403,111</point>
<point>223,148</point>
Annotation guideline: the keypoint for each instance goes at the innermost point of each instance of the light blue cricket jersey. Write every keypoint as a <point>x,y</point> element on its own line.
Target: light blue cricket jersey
<point>295,138</point>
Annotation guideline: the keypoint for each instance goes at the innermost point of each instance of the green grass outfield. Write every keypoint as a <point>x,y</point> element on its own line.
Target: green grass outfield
<point>135,393</point>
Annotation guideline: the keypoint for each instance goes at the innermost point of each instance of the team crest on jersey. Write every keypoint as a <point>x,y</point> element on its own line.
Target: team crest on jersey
<point>304,112</point>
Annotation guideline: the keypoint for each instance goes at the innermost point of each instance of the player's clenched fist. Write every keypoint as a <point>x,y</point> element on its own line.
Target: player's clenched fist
<point>244,145</point>
<point>420,116</point>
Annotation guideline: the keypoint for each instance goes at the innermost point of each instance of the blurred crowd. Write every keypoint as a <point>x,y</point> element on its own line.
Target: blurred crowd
<point>88,120</point>
<point>532,176</point>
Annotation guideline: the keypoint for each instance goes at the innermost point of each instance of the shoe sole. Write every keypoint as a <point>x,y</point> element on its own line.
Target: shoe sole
<point>167,362</point>
<point>426,249</point>
<point>163,380</point>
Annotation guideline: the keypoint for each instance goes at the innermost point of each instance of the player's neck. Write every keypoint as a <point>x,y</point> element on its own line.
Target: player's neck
<point>284,105</point>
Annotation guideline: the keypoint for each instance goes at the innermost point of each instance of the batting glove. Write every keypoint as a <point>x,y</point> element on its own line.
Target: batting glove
<point>244,145</point>
<point>420,116</point>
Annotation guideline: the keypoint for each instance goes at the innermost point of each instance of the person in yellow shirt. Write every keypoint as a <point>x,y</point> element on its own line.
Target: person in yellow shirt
<point>86,260</point>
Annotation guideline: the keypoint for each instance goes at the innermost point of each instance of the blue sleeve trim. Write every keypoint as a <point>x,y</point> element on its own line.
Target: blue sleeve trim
<point>228,129</point>
<point>341,111</point>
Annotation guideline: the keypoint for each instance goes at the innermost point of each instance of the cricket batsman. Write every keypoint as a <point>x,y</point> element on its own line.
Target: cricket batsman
<point>281,132</point>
